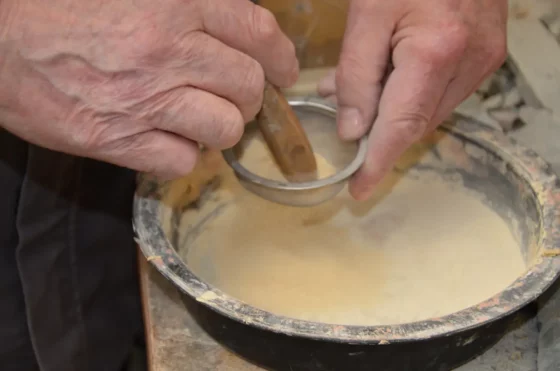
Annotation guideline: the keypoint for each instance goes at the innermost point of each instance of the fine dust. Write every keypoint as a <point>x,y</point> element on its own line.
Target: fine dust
<point>258,159</point>
<point>418,249</point>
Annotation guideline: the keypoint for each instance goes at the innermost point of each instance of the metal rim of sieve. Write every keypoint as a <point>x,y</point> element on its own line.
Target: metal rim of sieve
<point>324,107</point>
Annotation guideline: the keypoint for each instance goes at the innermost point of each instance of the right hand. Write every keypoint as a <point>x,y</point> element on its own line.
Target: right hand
<point>139,83</point>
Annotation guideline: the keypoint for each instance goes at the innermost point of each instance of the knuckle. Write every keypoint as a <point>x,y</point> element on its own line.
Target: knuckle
<point>496,51</point>
<point>251,94</point>
<point>90,136</point>
<point>140,147</point>
<point>410,127</point>
<point>349,69</point>
<point>249,112</point>
<point>265,26</point>
<point>146,44</point>
<point>353,71</point>
<point>151,160</point>
<point>457,34</point>
<point>357,82</point>
<point>371,7</point>
<point>229,129</point>
<point>445,47</point>
<point>84,141</point>
<point>153,45</point>
<point>185,165</point>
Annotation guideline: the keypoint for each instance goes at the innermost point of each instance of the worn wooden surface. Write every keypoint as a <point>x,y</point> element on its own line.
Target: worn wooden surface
<point>175,342</point>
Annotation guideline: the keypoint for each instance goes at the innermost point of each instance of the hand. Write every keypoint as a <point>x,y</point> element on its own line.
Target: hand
<point>137,83</point>
<point>440,51</point>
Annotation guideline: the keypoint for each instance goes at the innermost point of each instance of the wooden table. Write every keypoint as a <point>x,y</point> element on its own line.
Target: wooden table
<point>175,342</point>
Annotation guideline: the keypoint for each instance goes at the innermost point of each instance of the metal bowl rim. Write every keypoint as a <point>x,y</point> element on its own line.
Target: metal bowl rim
<point>538,278</point>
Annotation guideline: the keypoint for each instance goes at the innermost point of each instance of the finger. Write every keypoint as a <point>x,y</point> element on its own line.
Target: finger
<point>253,30</point>
<point>404,116</point>
<point>223,71</point>
<point>361,68</point>
<point>197,115</point>
<point>327,84</point>
<point>165,155</point>
<point>470,74</point>
<point>457,91</point>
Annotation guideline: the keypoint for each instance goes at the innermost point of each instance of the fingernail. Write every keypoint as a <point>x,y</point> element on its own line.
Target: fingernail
<point>350,124</point>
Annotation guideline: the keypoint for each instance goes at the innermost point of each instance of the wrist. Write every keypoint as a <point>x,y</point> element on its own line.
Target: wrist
<point>7,16</point>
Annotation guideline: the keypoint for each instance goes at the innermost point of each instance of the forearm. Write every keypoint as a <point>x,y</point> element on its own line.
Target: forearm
<point>6,11</point>
<point>22,89</point>
<point>4,96</point>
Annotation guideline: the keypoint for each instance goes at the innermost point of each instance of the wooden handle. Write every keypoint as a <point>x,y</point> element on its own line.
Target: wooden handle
<point>285,137</point>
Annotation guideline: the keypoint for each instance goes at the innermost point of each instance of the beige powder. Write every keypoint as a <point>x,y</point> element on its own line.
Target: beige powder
<point>417,249</point>
<point>258,159</point>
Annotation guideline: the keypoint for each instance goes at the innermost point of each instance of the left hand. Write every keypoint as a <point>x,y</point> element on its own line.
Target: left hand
<point>440,50</point>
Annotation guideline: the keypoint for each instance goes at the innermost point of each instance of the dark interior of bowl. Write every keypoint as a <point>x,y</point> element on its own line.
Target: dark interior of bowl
<point>511,180</point>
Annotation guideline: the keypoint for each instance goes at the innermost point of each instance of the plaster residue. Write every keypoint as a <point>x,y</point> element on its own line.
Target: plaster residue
<point>419,248</point>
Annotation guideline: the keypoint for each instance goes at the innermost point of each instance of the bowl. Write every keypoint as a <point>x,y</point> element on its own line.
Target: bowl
<point>318,120</point>
<point>516,184</point>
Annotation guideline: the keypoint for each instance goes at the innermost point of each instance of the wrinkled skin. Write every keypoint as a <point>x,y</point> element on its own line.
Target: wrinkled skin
<point>437,52</point>
<point>142,83</point>
<point>137,83</point>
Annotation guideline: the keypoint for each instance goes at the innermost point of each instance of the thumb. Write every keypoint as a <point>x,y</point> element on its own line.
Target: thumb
<point>362,66</point>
